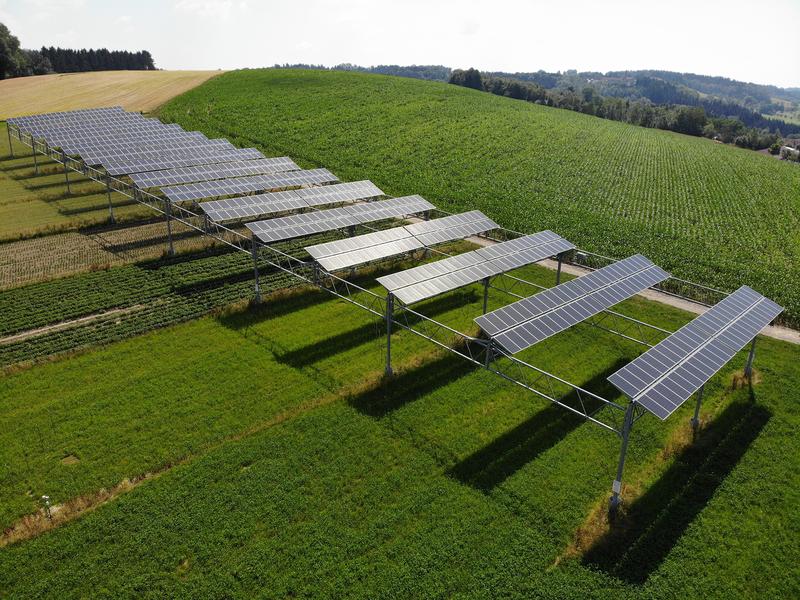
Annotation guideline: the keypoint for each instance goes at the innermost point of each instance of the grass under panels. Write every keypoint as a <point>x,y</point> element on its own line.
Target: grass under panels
<point>287,468</point>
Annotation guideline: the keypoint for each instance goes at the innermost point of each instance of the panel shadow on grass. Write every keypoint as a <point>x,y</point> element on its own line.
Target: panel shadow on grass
<point>368,332</point>
<point>490,466</point>
<point>655,522</point>
<point>411,385</point>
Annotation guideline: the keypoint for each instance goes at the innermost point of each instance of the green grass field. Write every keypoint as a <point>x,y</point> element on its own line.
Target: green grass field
<point>710,213</point>
<point>285,468</point>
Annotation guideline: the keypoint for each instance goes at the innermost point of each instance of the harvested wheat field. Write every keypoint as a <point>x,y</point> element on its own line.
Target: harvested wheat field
<point>133,90</point>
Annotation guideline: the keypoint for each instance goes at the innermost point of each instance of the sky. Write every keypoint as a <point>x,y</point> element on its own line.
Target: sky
<point>748,40</point>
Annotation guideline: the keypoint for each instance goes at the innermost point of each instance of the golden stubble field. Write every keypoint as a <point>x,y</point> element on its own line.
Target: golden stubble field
<point>133,90</point>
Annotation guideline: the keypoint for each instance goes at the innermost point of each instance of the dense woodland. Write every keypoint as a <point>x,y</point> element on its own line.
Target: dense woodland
<point>20,62</point>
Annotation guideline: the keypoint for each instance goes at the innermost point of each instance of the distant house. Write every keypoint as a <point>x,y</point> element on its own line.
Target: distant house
<point>789,152</point>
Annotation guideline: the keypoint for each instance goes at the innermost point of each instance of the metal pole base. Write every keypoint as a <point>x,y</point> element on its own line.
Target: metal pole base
<point>615,501</point>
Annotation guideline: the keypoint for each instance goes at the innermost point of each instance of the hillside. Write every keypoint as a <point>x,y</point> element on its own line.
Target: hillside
<point>708,212</point>
<point>133,90</point>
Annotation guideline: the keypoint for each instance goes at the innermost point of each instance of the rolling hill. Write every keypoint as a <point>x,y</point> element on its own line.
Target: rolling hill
<point>718,215</point>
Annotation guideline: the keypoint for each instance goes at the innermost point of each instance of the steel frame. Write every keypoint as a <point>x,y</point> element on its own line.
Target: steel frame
<point>480,352</point>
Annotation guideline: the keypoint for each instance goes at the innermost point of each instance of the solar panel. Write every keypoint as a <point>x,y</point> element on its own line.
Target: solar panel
<point>125,148</point>
<point>343,192</point>
<point>205,173</point>
<point>86,114</point>
<point>243,207</point>
<point>293,226</point>
<point>533,319</point>
<point>452,227</point>
<point>102,128</point>
<point>108,145</point>
<point>117,156</point>
<point>180,159</point>
<point>432,279</point>
<point>256,205</point>
<point>667,375</point>
<point>342,254</point>
<point>243,185</point>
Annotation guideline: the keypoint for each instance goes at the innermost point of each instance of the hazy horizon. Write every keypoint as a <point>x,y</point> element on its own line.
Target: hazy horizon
<point>682,36</point>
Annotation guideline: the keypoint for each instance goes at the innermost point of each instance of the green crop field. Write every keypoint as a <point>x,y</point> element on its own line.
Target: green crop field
<point>711,213</point>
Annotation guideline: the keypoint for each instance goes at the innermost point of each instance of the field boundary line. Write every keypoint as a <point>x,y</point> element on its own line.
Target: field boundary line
<point>61,326</point>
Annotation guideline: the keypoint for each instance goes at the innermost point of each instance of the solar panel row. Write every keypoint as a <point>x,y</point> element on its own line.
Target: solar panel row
<point>243,185</point>
<point>533,319</point>
<point>221,171</point>
<point>342,254</point>
<point>293,226</point>
<point>256,205</point>
<point>667,375</point>
<point>193,156</point>
<point>451,273</point>
<point>126,147</point>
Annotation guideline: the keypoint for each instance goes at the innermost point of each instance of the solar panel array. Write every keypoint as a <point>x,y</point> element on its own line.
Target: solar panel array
<point>257,205</point>
<point>243,185</point>
<point>432,279</point>
<point>341,254</point>
<point>189,166</point>
<point>125,143</point>
<point>669,373</point>
<point>533,319</point>
<point>205,173</point>
<point>284,228</point>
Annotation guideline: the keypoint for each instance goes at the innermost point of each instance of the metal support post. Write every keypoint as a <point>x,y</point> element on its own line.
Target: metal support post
<point>485,294</point>
<point>489,353</point>
<point>696,419</point>
<point>108,195</point>
<point>558,271</point>
<point>389,316</point>
<point>748,369</point>
<point>171,249</point>
<point>254,252</point>
<point>617,486</point>
<point>317,278</point>
<point>35,160</point>
<point>10,147</point>
<point>66,171</point>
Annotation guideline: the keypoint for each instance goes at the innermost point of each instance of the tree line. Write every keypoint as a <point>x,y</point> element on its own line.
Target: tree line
<point>64,60</point>
<point>427,72</point>
<point>687,119</point>
<point>16,61</point>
